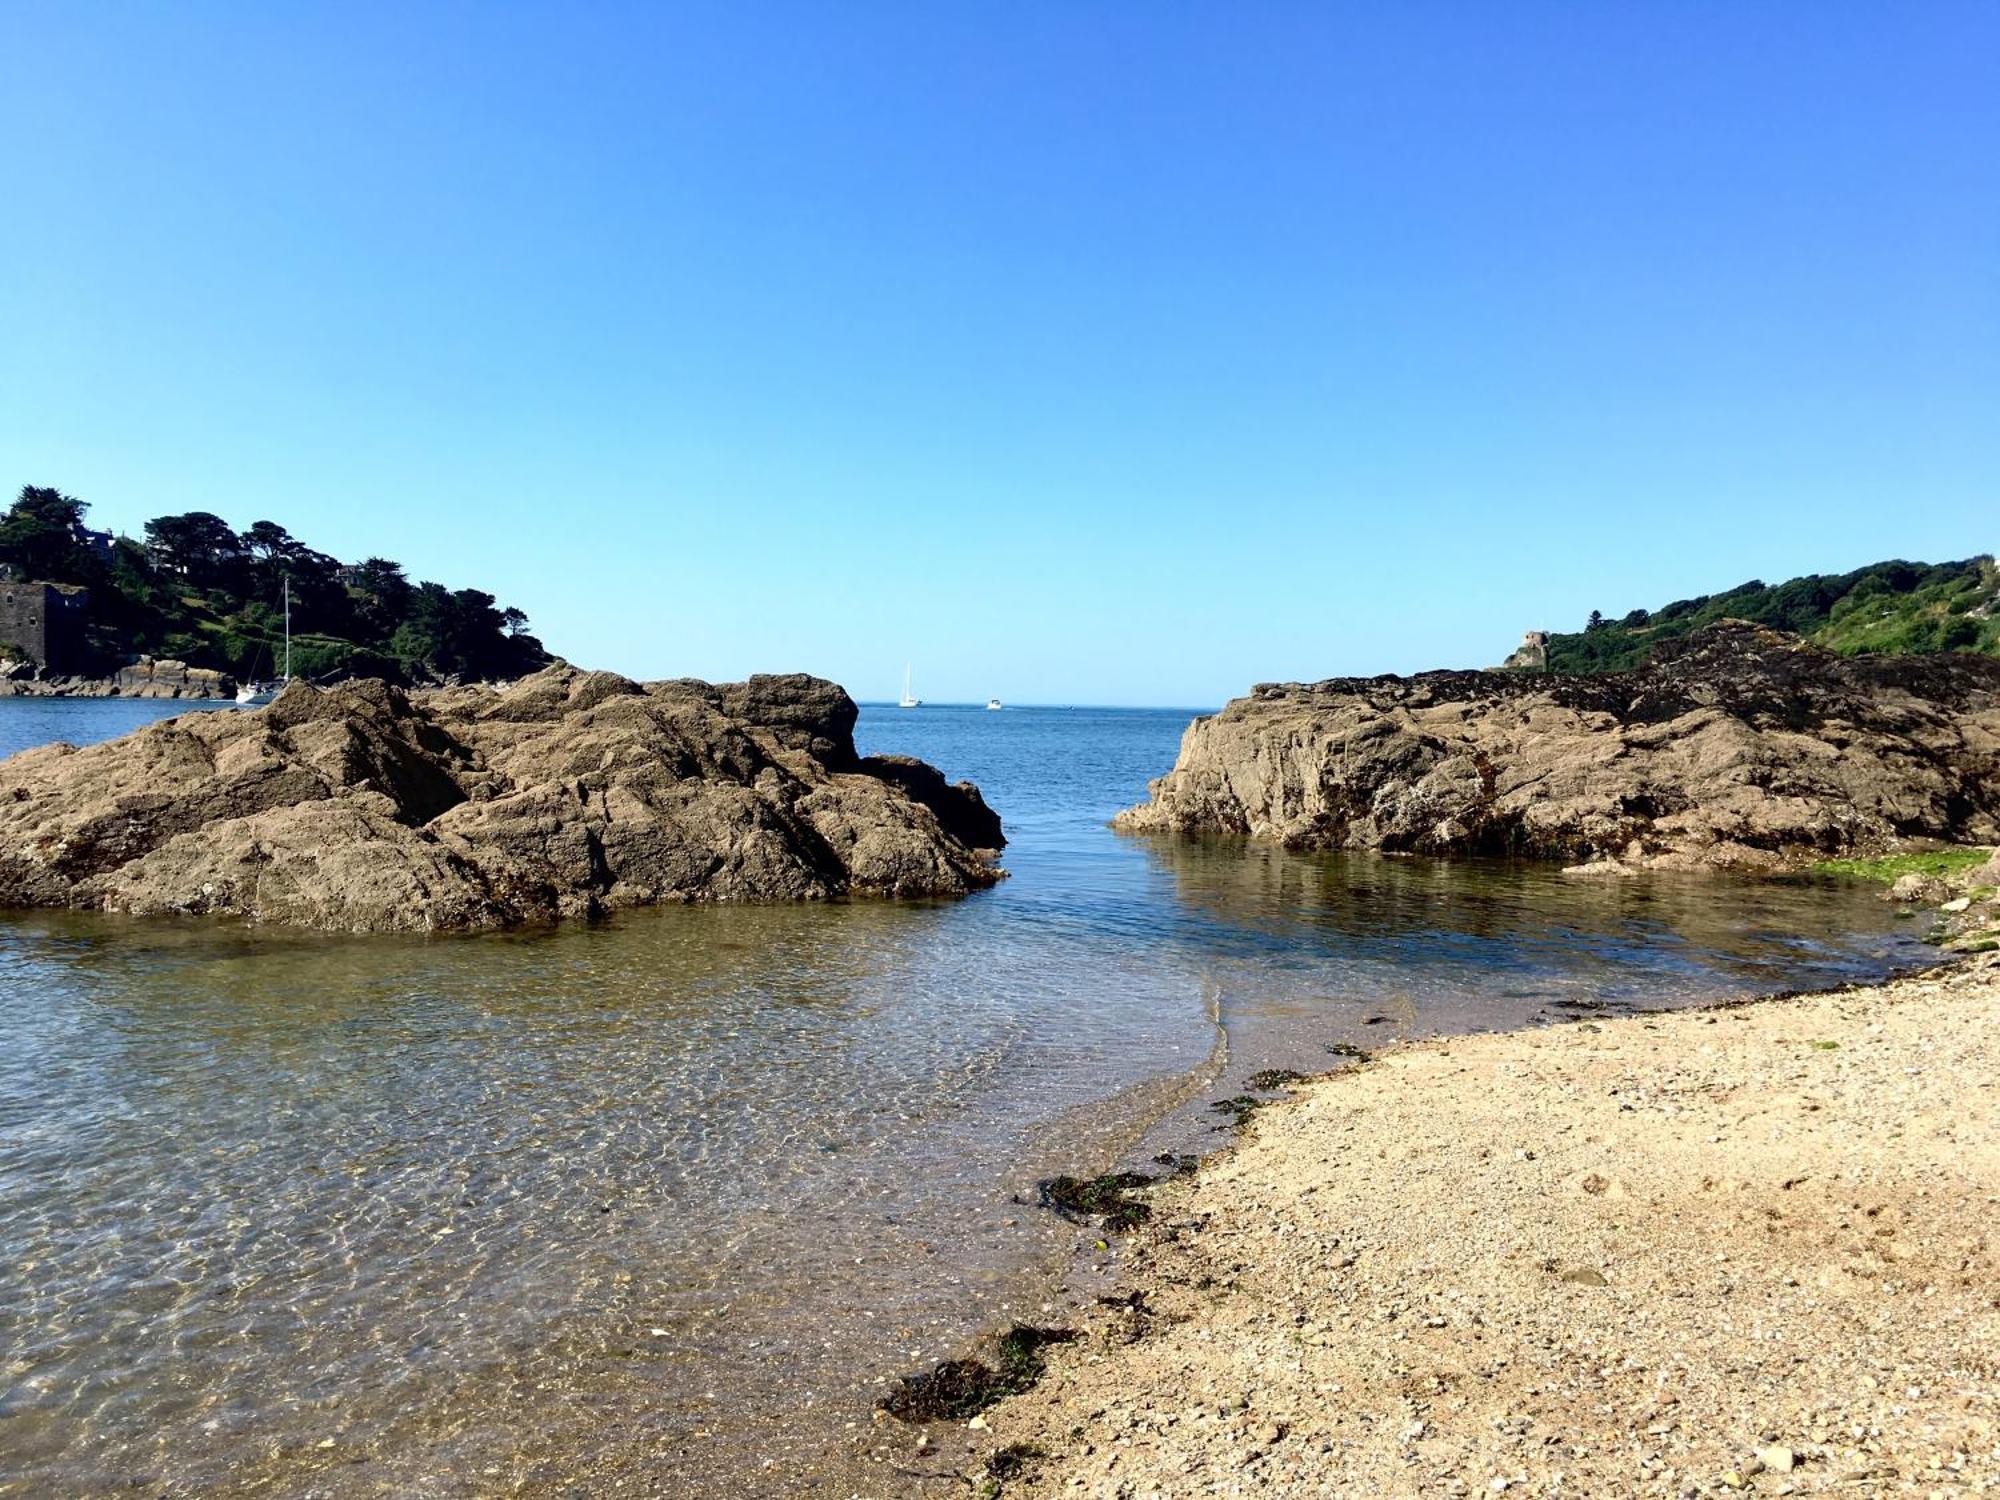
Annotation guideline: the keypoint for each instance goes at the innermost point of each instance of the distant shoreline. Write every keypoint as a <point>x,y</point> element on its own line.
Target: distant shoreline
<point>105,687</point>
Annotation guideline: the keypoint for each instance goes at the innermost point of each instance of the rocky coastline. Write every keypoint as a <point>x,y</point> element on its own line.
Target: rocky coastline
<point>148,677</point>
<point>1736,747</point>
<point>570,794</point>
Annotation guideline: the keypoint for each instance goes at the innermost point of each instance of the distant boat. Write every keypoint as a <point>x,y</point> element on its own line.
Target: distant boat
<point>257,694</point>
<point>993,705</point>
<point>907,700</point>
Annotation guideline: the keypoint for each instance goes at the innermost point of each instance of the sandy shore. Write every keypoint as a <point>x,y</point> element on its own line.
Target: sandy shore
<point>1749,1249</point>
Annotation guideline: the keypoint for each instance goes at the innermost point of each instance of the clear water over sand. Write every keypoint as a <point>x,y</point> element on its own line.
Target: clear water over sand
<point>663,1201</point>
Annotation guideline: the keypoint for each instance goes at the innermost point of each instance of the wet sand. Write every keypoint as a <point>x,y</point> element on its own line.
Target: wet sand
<point>1749,1249</point>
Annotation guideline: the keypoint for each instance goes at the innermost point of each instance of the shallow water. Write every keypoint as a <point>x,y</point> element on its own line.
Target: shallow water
<point>665,1199</point>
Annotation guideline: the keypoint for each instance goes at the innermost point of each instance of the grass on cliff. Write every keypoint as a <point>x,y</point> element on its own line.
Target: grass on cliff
<point>1884,608</point>
<point>1889,868</point>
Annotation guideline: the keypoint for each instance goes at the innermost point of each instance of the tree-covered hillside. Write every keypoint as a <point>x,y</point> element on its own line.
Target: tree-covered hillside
<point>198,590</point>
<point>1885,607</point>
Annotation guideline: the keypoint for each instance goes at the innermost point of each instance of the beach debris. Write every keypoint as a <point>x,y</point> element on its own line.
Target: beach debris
<point>1269,1079</point>
<point>956,1389</point>
<point>1009,1462</point>
<point>1239,1109</point>
<point>1103,1198</point>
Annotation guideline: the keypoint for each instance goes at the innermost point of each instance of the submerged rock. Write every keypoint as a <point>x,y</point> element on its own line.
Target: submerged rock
<point>361,808</point>
<point>1736,746</point>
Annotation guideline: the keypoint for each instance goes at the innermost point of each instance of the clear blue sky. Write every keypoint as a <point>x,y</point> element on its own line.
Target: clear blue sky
<point>1120,353</point>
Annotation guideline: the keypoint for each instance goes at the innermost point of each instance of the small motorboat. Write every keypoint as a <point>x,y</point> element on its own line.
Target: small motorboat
<point>992,705</point>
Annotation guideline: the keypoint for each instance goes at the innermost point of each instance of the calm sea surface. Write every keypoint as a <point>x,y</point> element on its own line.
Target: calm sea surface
<point>656,1205</point>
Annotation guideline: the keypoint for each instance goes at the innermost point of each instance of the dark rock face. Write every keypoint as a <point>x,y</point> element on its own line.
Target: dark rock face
<point>573,793</point>
<point>1738,746</point>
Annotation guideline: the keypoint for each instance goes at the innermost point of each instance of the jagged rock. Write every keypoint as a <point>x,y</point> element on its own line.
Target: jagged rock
<point>362,808</point>
<point>1736,746</point>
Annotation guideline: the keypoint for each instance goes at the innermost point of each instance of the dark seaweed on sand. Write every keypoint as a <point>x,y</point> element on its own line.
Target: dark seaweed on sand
<point>1077,1198</point>
<point>956,1388</point>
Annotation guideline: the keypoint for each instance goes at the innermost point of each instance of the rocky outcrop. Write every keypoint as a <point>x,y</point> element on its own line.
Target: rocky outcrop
<point>360,808</point>
<point>1532,655</point>
<point>144,678</point>
<point>163,677</point>
<point>1736,746</point>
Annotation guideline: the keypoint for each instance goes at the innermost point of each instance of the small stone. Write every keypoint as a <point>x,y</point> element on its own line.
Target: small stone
<point>1584,1276</point>
<point>977,1424</point>
<point>1270,1432</point>
<point>1777,1458</point>
<point>1958,905</point>
<point>1733,1480</point>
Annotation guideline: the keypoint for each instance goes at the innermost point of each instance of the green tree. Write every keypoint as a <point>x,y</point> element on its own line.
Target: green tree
<point>199,547</point>
<point>42,536</point>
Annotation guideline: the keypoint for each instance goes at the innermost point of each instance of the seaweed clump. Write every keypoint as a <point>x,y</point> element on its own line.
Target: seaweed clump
<point>956,1388</point>
<point>1103,1197</point>
<point>1276,1078</point>
<point>1239,1109</point>
<point>1009,1462</point>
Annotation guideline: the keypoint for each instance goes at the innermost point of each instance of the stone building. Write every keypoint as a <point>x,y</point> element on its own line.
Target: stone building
<point>43,622</point>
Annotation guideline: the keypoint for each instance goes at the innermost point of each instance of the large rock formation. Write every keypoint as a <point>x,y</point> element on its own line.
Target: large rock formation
<point>359,808</point>
<point>1737,746</point>
<point>163,677</point>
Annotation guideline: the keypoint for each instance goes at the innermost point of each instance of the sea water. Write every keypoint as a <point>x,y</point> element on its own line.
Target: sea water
<point>661,1203</point>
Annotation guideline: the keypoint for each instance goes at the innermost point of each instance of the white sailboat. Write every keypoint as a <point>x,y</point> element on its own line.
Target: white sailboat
<point>257,694</point>
<point>907,700</point>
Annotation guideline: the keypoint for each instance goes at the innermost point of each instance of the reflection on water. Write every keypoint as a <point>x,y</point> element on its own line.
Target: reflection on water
<point>1417,946</point>
<point>664,1199</point>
